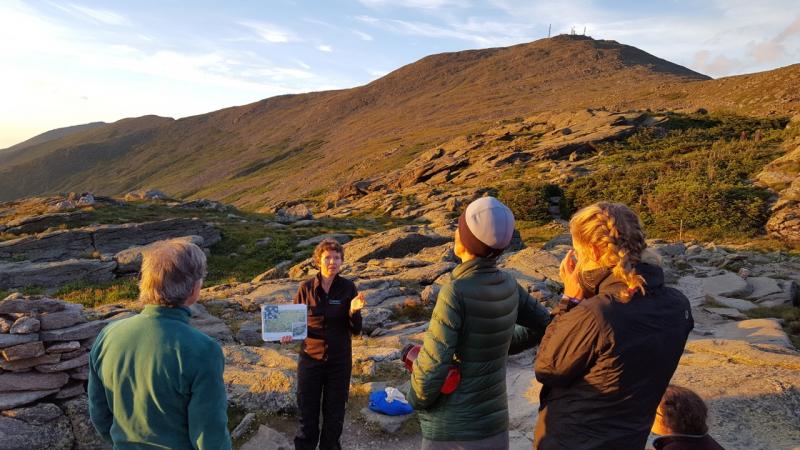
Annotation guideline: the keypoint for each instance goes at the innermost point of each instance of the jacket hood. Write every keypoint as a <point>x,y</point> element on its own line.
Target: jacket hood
<point>653,277</point>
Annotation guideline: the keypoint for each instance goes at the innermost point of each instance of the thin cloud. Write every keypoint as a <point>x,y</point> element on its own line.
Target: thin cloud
<point>320,22</point>
<point>774,49</point>
<point>791,30</point>
<point>482,34</point>
<point>421,4</point>
<point>325,48</point>
<point>270,32</point>
<point>302,64</point>
<point>705,62</point>
<point>97,15</point>
<point>362,35</point>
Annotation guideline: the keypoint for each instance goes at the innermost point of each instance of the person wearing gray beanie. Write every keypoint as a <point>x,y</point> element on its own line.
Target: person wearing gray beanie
<point>480,317</point>
<point>486,227</point>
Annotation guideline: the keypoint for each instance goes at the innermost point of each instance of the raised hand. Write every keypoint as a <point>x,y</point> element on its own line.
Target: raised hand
<point>357,303</point>
<point>568,271</point>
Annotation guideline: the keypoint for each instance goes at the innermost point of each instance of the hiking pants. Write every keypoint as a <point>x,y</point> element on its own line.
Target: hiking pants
<point>324,384</point>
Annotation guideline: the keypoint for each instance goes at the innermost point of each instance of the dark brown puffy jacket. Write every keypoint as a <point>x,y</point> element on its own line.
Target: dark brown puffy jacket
<point>605,364</point>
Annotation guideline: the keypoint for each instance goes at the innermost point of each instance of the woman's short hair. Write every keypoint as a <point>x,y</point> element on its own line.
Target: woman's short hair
<point>616,231</point>
<point>327,244</point>
<point>170,271</point>
<point>683,411</point>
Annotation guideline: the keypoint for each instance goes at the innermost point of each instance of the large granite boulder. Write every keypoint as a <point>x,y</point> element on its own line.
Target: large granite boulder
<point>209,324</point>
<point>260,378</point>
<point>531,265</point>
<point>294,213</point>
<point>86,438</point>
<point>268,439</point>
<point>130,259</point>
<point>394,243</point>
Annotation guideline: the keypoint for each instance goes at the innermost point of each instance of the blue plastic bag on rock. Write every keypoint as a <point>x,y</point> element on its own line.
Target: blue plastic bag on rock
<point>394,405</point>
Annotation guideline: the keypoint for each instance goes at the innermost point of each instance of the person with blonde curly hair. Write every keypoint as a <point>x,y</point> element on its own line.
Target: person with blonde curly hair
<point>615,339</point>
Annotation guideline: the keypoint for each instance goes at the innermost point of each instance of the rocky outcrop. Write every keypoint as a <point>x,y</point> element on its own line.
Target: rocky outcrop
<point>40,427</point>
<point>394,243</point>
<point>752,390</point>
<point>783,176</point>
<point>41,222</point>
<point>92,254</point>
<point>268,439</point>
<point>145,194</point>
<point>103,239</point>
<point>260,379</point>
<point>53,246</point>
<point>110,239</point>
<point>440,180</point>
<point>55,273</point>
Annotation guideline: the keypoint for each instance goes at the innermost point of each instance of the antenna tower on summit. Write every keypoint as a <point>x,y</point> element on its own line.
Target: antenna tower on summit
<point>549,27</point>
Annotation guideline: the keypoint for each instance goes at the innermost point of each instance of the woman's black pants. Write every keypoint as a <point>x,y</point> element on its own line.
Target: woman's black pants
<point>325,384</point>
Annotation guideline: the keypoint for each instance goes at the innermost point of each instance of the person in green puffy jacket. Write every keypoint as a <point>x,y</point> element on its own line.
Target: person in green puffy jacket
<point>479,316</point>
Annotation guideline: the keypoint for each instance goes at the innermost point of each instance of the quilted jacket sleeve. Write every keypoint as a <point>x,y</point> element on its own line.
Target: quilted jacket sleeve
<point>439,345</point>
<point>532,320</point>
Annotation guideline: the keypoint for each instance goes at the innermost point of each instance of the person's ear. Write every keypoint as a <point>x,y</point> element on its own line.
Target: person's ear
<point>195,295</point>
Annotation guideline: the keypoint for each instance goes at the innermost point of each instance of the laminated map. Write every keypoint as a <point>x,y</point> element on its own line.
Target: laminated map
<point>278,321</point>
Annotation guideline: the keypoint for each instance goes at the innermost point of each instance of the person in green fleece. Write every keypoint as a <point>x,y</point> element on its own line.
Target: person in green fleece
<point>154,380</point>
<point>479,317</point>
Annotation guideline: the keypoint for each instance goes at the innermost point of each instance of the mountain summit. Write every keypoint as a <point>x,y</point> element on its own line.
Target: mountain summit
<point>285,146</point>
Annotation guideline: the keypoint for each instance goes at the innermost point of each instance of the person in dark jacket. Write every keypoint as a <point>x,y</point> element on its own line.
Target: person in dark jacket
<point>473,325</point>
<point>681,422</point>
<point>154,380</point>
<point>614,342</point>
<point>323,369</point>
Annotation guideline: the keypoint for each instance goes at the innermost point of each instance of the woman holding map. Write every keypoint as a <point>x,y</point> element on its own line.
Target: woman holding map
<point>323,369</point>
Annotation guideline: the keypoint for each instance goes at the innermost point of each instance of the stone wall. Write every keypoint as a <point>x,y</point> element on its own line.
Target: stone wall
<point>44,357</point>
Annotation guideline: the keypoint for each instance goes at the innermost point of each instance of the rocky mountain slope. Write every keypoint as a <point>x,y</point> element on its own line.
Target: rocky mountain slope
<point>263,152</point>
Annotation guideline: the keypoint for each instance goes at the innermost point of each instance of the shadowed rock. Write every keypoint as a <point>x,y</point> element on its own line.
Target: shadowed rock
<point>42,427</point>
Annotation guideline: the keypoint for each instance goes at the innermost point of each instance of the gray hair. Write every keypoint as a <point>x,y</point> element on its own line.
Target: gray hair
<point>170,271</point>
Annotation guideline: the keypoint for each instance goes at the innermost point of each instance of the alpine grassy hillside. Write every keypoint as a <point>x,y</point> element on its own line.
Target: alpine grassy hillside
<point>266,152</point>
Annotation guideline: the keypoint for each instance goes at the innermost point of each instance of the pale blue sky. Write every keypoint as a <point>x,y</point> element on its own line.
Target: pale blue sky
<point>77,61</point>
